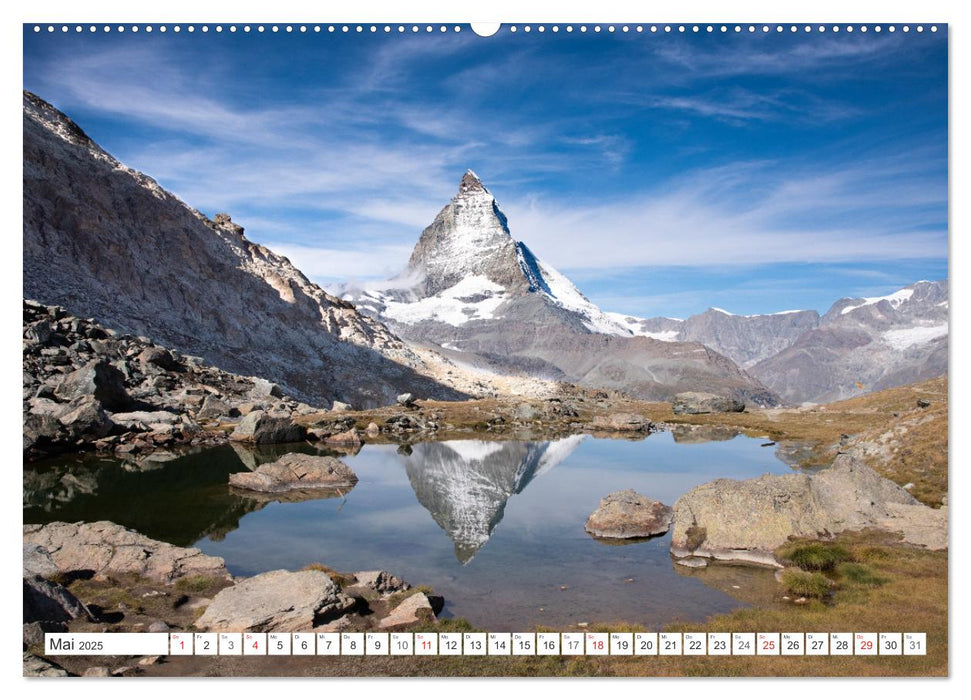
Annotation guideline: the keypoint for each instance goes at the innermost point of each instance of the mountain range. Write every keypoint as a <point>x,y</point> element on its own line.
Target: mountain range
<point>484,299</point>
<point>473,307</point>
<point>858,345</point>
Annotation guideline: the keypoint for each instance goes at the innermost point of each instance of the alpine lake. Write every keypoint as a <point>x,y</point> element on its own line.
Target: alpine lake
<point>496,527</point>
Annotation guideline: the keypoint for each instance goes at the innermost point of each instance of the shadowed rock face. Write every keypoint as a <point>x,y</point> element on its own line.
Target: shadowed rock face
<point>105,241</point>
<point>487,299</point>
<point>465,484</point>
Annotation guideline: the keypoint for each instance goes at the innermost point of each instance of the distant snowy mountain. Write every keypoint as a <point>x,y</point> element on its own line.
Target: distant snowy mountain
<point>486,299</point>
<point>859,345</point>
<point>865,344</point>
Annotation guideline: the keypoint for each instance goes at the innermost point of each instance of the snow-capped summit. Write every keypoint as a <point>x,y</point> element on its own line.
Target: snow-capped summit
<point>467,266</point>
<point>487,299</point>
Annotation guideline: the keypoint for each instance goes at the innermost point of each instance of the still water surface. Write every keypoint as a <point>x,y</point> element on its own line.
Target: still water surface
<point>495,527</point>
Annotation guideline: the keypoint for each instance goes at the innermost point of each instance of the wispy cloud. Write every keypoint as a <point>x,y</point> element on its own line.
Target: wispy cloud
<point>343,174</point>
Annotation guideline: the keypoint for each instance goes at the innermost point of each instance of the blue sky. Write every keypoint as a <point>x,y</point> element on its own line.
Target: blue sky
<point>664,173</point>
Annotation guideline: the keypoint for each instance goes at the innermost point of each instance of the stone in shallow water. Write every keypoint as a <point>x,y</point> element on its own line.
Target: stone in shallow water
<point>263,428</point>
<point>692,562</point>
<point>295,471</point>
<point>626,514</point>
<point>103,549</point>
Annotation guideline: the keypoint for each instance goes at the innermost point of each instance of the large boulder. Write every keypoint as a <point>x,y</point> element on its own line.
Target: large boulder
<point>747,520</point>
<point>621,422</point>
<point>98,378</point>
<point>103,549</point>
<point>627,514</point>
<point>276,601</point>
<point>694,402</point>
<point>214,407</point>
<point>155,356</point>
<point>296,471</point>
<point>262,428</point>
<point>84,419</point>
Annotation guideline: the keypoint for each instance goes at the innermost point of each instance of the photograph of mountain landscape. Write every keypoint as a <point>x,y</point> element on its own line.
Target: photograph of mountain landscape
<point>570,329</point>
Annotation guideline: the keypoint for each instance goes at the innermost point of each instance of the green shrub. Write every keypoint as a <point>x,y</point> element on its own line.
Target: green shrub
<point>815,556</point>
<point>805,584</point>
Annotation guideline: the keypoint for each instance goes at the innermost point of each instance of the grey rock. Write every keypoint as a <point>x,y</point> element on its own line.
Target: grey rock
<point>34,666</point>
<point>296,471</point>
<point>99,379</point>
<point>415,608</point>
<point>105,549</point>
<point>85,419</point>
<point>96,672</point>
<point>41,431</point>
<point>145,418</point>
<point>340,406</point>
<point>621,422</point>
<point>158,626</point>
<point>159,357</point>
<point>265,389</point>
<point>747,520</point>
<point>212,407</point>
<point>33,632</point>
<point>38,562</point>
<point>46,601</point>
<point>692,562</point>
<point>628,514</point>
<point>407,400</point>
<point>276,601</point>
<point>695,402</point>
<point>262,428</point>
<point>381,581</point>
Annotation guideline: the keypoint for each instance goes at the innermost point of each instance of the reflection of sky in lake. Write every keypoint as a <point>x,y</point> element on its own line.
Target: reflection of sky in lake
<point>538,546</point>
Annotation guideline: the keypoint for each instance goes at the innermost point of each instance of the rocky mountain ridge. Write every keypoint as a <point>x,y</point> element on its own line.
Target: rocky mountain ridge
<point>108,242</point>
<point>860,344</point>
<point>484,299</point>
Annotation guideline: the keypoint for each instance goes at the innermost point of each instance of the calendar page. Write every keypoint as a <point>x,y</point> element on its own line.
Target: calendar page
<point>525,349</point>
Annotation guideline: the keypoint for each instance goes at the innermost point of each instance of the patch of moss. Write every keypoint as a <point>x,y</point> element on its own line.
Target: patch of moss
<point>806,584</point>
<point>194,584</point>
<point>815,556</point>
<point>695,537</point>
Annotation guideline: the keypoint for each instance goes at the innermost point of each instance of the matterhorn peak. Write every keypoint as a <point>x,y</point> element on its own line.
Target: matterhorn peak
<point>471,184</point>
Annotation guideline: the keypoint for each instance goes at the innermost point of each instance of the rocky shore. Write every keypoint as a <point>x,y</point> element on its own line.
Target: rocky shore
<point>748,520</point>
<point>87,577</point>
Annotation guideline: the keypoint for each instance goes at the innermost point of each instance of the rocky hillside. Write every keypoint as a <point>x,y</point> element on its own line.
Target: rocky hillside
<point>485,299</point>
<point>864,345</point>
<point>859,345</point>
<point>90,387</point>
<point>107,242</point>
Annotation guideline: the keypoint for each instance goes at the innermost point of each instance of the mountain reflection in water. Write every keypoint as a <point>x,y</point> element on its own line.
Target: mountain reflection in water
<point>431,513</point>
<point>465,484</point>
